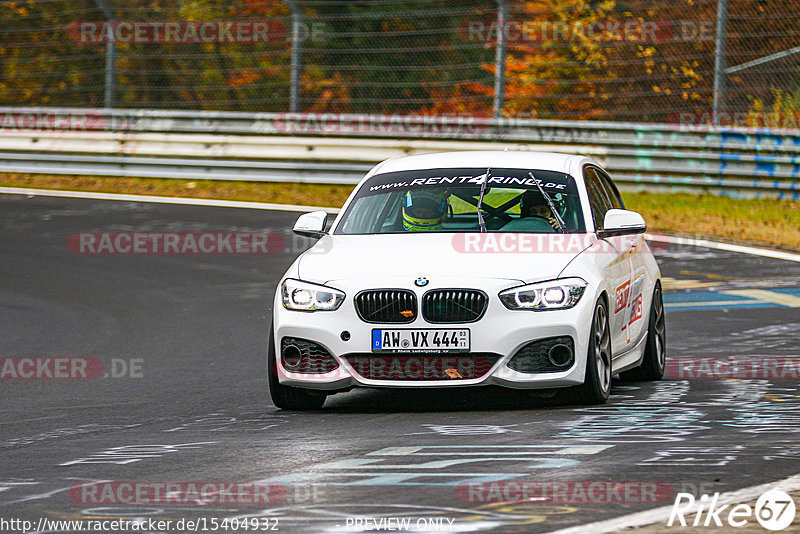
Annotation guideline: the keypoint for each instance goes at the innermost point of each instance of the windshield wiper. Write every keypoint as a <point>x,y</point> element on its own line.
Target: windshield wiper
<point>561,225</point>
<point>481,222</point>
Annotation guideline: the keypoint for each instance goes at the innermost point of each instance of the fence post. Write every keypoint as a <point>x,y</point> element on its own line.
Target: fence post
<point>111,52</point>
<point>297,58</point>
<point>500,60</point>
<point>720,87</point>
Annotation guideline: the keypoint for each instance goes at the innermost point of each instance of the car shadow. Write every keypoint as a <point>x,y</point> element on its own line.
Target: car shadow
<point>467,399</point>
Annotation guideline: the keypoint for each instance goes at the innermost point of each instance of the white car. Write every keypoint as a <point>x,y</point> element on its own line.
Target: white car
<point>515,269</point>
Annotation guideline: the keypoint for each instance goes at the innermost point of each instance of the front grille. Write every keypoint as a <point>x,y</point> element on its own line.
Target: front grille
<point>387,306</point>
<point>412,366</point>
<point>454,305</point>
<point>534,357</point>
<point>310,357</point>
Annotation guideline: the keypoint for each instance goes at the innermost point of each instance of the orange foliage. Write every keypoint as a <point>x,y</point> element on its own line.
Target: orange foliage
<point>330,95</point>
<point>243,78</point>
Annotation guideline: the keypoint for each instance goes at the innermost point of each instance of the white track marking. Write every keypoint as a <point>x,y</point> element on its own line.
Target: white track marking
<point>661,515</point>
<point>162,200</point>
<point>755,251</point>
<point>700,304</point>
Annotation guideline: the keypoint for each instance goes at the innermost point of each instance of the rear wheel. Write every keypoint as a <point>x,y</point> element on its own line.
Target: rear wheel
<point>287,397</point>
<point>596,386</point>
<point>654,360</point>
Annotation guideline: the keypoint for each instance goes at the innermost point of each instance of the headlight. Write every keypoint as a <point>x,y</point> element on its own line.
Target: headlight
<point>553,295</point>
<point>305,296</point>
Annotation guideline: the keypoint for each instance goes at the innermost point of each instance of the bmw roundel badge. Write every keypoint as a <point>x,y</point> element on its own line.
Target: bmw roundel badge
<point>421,281</point>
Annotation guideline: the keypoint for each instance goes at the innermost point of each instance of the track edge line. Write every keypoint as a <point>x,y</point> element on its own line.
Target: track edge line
<point>162,199</point>
<point>661,514</point>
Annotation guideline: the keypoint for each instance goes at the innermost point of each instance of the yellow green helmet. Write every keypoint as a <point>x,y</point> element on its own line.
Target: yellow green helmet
<point>424,210</point>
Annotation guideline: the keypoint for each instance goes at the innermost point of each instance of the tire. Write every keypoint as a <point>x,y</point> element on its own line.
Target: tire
<point>596,386</point>
<point>654,360</point>
<point>287,397</point>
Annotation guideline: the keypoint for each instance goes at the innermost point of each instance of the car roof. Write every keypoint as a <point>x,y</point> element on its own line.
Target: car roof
<point>509,159</point>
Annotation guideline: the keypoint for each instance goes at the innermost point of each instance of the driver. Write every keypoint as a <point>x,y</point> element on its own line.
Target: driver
<point>533,204</point>
<point>424,210</point>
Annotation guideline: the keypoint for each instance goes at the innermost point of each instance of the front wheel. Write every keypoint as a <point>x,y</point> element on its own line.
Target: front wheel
<point>654,360</point>
<point>287,397</point>
<point>596,386</point>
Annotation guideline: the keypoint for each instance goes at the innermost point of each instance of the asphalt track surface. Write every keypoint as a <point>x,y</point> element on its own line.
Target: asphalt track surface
<point>196,407</point>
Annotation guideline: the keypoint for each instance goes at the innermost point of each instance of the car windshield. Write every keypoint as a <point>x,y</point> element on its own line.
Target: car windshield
<point>446,200</point>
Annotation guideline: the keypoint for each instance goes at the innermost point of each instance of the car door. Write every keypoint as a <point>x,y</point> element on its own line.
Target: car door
<point>617,264</point>
<point>641,287</point>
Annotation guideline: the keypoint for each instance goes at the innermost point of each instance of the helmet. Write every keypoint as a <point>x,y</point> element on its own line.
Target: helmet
<point>424,210</point>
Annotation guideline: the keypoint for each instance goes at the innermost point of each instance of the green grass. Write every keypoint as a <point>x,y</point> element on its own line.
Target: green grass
<point>771,222</point>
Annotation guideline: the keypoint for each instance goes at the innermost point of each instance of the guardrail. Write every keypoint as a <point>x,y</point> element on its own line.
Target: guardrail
<point>330,148</point>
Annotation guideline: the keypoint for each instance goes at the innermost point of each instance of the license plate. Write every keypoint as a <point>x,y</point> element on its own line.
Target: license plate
<point>425,340</point>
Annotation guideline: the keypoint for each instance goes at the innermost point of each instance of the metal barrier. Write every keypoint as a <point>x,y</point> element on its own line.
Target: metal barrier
<point>339,149</point>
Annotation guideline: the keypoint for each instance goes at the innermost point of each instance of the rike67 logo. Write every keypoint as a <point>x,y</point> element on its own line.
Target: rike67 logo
<point>774,510</point>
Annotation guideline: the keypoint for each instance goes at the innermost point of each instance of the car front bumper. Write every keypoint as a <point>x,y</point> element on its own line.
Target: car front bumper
<point>500,331</point>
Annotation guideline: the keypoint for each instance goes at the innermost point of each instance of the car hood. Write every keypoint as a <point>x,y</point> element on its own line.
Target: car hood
<point>337,257</point>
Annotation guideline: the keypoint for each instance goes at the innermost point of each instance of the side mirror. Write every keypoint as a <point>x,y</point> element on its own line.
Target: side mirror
<point>311,224</point>
<point>622,222</point>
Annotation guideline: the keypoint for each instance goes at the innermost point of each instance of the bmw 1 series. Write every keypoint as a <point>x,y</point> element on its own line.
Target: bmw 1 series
<point>515,269</point>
